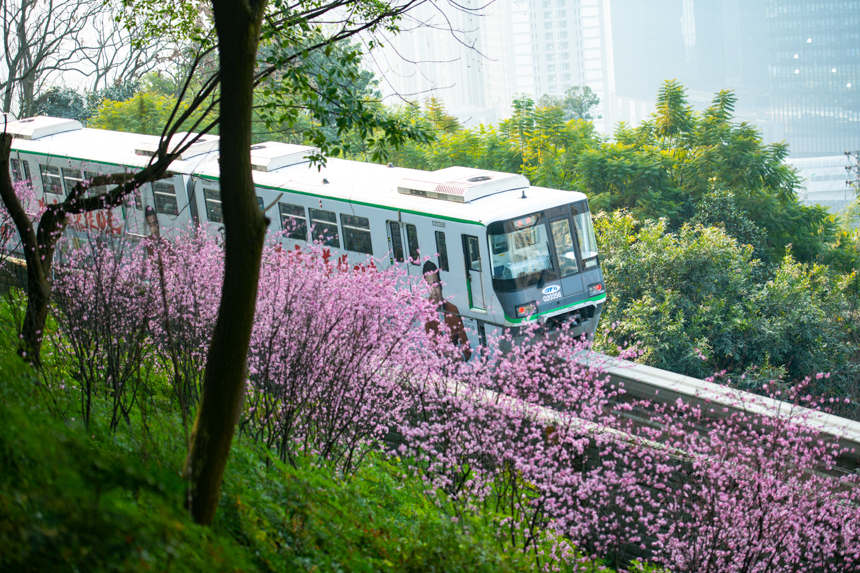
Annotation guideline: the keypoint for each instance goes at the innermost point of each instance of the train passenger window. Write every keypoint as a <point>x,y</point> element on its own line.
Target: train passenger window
<point>213,205</point>
<point>412,243</point>
<point>165,199</point>
<point>395,241</point>
<point>564,249</point>
<point>442,249</point>
<point>20,170</point>
<point>324,227</point>
<point>71,177</point>
<point>356,234</point>
<point>473,254</point>
<point>96,190</point>
<point>293,221</point>
<point>52,180</point>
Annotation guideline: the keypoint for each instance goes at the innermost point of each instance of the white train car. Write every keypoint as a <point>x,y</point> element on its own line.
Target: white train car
<point>508,252</point>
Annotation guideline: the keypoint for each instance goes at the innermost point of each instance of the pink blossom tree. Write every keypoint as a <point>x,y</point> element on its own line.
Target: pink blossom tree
<point>340,364</point>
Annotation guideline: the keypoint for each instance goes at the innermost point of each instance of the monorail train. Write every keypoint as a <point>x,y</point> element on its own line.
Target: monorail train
<point>508,253</point>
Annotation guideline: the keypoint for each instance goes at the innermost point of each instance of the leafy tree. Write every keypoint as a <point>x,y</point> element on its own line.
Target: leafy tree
<point>578,102</point>
<point>719,208</point>
<point>696,301</point>
<point>343,116</point>
<point>552,156</point>
<point>520,125</point>
<point>61,102</point>
<point>668,165</point>
<point>479,147</point>
<point>439,118</point>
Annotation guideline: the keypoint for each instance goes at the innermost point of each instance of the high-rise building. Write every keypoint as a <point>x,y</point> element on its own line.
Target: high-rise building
<point>794,64</point>
<point>508,66</point>
<point>569,47</point>
<point>556,45</point>
<point>506,49</point>
<point>813,71</point>
<point>825,181</point>
<point>435,55</point>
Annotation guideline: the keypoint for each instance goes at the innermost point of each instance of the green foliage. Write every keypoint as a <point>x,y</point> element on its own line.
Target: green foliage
<point>674,117</point>
<point>676,295</point>
<point>683,165</point>
<point>697,301</point>
<point>378,520</point>
<point>326,99</point>
<point>145,112</point>
<point>61,102</point>
<point>578,102</point>
<point>439,118</point>
<point>186,21</point>
<point>70,500</point>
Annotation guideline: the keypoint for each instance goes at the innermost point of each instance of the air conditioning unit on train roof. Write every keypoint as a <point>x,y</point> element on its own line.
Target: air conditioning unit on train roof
<point>41,126</point>
<point>461,184</point>
<point>205,144</point>
<point>271,155</point>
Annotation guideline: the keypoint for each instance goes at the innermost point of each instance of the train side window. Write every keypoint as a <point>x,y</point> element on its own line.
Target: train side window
<point>260,203</point>
<point>20,170</point>
<point>94,191</point>
<point>412,243</point>
<point>395,241</point>
<point>564,249</point>
<point>52,180</point>
<point>473,254</point>
<point>293,221</point>
<point>71,177</point>
<point>165,199</point>
<point>324,227</point>
<point>212,197</point>
<point>356,234</point>
<point>442,249</point>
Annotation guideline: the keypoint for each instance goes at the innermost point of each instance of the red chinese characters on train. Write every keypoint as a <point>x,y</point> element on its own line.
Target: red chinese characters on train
<point>103,220</point>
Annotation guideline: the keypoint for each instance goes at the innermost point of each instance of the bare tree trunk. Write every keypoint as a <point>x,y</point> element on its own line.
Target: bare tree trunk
<point>28,96</point>
<point>238,28</point>
<point>39,257</point>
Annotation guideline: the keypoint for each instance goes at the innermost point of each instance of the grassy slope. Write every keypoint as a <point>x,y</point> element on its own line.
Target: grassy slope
<point>78,500</point>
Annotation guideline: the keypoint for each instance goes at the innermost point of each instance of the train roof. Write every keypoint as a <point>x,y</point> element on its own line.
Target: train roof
<point>456,193</point>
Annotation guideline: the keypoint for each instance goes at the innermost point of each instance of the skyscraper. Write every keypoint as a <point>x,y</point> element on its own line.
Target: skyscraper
<point>813,71</point>
<point>794,64</point>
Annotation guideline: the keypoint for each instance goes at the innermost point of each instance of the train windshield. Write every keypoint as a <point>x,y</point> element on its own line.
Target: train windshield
<point>520,250</point>
<point>541,247</point>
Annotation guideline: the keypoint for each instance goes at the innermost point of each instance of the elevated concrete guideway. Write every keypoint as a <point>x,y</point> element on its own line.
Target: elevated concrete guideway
<point>642,382</point>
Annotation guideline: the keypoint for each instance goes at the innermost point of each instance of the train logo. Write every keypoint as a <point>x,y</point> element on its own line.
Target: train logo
<point>551,292</point>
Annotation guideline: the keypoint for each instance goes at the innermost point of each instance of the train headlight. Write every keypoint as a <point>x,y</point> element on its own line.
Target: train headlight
<point>527,309</point>
<point>595,289</point>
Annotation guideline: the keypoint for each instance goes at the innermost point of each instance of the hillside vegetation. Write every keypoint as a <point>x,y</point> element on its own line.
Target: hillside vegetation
<point>82,498</point>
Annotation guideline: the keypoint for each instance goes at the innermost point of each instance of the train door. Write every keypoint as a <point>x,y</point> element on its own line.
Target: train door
<point>396,250</point>
<point>403,244</point>
<point>474,272</point>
